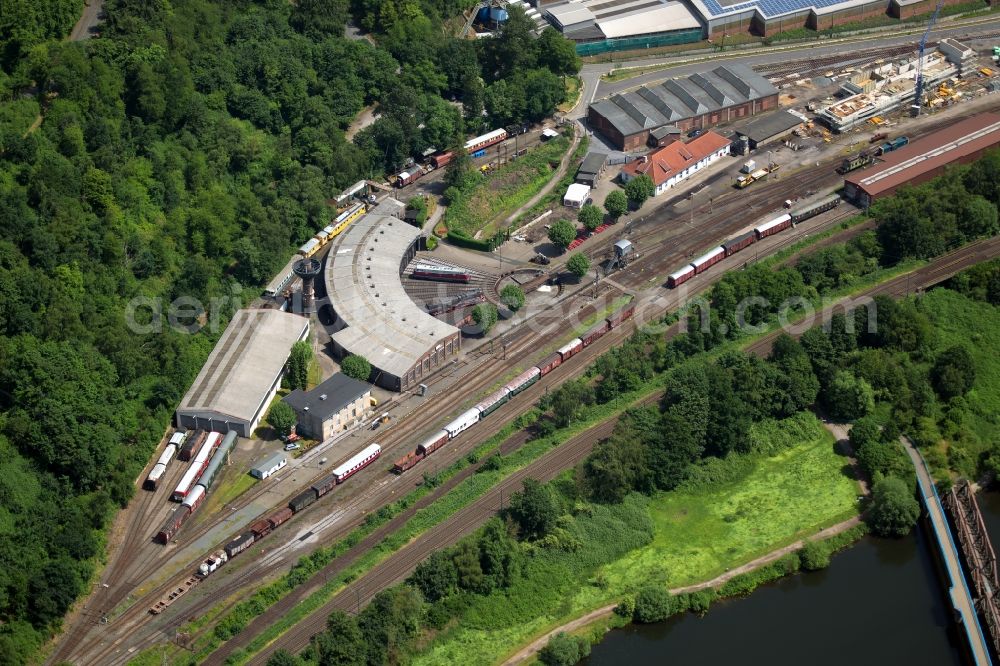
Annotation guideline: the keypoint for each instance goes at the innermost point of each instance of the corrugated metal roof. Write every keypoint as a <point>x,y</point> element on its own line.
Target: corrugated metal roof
<point>593,163</point>
<point>929,153</point>
<point>664,18</point>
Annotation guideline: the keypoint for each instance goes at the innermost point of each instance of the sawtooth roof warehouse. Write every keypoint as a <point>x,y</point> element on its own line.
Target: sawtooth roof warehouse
<point>719,95</point>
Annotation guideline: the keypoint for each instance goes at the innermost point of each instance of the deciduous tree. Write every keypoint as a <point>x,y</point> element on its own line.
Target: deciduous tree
<point>578,264</point>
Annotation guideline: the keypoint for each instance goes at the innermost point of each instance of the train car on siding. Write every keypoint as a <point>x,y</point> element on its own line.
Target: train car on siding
<point>407,462</point>
<point>219,457</point>
<point>280,517</point>
<point>479,143</point>
<point>681,276</point>
<point>734,245</point>
<point>325,485</point>
<point>159,469</point>
<point>493,402</point>
<point>357,462</point>
<point>523,381</point>
<point>260,529</point>
<point>465,421</point>
<point>194,498</point>
<point>707,260</point>
<point>197,467</point>
<point>440,273</point>
<point>812,210</point>
<point>302,500</point>
<point>595,332</point>
<point>570,349</point>
<point>191,444</point>
<point>625,313</point>
<point>172,524</point>
<point>239,544</point>
<point>774,226</point>
<point>433,443</point>
<point>549,364</point>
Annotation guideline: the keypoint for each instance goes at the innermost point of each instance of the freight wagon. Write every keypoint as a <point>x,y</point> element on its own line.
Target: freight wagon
<point>625,313</point>
<point>279,517</point>
<point>302,500</point>
<point>772,227</point>
<point>325,485</point>
<point>441,159</point>
<point>570,349</point>
<point>707,260</point>
<point>406,462</point>
<point>549,364</point>
<point>261,529</point>
<point>681,276</point>
<point>595,332</point>
<point>411,175</point>
<point>433,443</point>
<point>212,564</point>
<point>239,544</point>
<point>734,245</point>
<point>172,524</point>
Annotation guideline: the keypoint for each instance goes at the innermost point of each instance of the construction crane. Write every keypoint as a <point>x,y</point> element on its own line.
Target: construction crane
<point>919,88</point>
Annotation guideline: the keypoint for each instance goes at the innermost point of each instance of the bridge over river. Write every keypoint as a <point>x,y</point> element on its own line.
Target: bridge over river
<point>975,550</point>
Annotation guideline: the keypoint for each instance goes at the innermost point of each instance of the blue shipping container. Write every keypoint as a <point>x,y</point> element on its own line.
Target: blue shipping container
<point>479,153</point>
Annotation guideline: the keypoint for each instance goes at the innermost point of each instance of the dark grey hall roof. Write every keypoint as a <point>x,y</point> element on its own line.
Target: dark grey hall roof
<point>673,100</point>
<point>339,391</point>
<point>766,126</point>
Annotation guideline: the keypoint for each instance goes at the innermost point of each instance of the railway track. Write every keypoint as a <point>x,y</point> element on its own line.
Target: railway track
<point>484,370</point>
<point>465,521</point>
<point>858,58</point>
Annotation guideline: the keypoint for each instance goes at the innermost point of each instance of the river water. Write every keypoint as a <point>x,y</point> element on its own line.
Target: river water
<point>879,602</point>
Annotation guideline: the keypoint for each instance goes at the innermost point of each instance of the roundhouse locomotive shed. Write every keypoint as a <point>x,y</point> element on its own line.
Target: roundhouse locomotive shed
<point>925,158</point>
<point>375,317</point>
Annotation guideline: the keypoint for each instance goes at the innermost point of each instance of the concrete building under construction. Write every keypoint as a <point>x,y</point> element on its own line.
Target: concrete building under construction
<point>884,88</point>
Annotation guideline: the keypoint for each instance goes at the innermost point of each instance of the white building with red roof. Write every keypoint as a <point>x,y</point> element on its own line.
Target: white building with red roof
<point>676,162</point>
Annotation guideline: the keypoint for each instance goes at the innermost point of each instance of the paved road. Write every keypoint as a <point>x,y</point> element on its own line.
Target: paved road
<point>85,27</point>
<point>961,598</point>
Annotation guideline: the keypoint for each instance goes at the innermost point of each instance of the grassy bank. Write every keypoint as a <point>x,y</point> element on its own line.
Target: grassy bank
<point>503,191</point>
<point>733,511</point>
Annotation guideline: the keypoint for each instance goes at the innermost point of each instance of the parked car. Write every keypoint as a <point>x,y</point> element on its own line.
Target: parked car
<point>694,133</point>
<point>291,447</point>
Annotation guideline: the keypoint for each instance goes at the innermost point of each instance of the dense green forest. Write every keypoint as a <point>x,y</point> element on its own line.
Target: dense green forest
<point>184,153</point>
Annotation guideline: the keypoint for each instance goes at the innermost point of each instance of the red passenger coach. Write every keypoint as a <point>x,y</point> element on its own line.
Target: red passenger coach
<point>550,364</point>
<point>707,260</point>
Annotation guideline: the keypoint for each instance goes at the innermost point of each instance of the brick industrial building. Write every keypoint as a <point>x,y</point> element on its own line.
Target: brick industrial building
<point>925,158</point>
<point>699,101</point>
